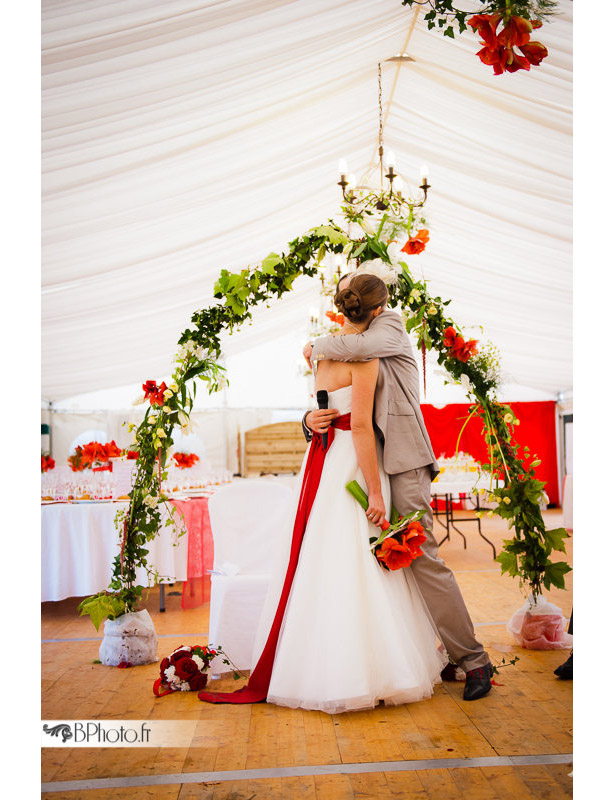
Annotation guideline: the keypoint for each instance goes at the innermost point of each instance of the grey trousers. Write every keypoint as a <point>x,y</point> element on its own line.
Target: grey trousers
<point>410,491</point>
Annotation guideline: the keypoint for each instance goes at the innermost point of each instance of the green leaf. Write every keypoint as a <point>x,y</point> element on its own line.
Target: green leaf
<point>555,538</point>
<point>270,262</point>
<point>508,562</point>
<point>332,234</point>
<point>554,574</point>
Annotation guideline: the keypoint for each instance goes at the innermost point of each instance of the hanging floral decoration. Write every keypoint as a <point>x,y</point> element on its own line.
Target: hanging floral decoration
<point>374,246</point>
<point>504,28</point>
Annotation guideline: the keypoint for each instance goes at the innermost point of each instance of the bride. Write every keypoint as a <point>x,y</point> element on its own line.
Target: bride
<point>338,632</point>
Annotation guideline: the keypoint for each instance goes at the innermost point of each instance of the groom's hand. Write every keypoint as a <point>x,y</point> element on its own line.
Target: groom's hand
<point>320,419</point>
<point>376,512</point>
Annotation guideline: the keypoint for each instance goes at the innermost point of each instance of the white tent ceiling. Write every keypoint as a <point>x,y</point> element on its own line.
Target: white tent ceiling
<point>183,136</point>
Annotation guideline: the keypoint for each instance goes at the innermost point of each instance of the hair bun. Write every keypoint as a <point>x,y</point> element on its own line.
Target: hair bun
<point>350,304</point>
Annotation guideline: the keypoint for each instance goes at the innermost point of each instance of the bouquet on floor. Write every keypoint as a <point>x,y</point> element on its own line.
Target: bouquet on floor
<point>400,541</point>
<point>185,670</point>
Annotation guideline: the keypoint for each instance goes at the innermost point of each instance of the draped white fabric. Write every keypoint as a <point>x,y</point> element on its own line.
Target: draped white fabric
<point>180,137</point>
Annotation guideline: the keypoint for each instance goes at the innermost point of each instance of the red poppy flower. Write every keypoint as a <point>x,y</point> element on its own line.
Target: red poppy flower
<point>337,318</point>
<point>47,463</point>
<point>92,452</point>
<point>185,460</point>
<point>466,351</point>
<point>516,62</point>
<point>154,392</point>
<point>486,25</point>
<point>113,451</point>
<point>515,33</point>
<point>416,244</point>
<point>534,52</point>
<point>132,455</point>
<point>397,554</point>
<point>449,336</point>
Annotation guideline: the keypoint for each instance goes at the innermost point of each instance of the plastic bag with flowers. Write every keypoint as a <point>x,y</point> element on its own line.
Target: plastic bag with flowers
<point>185,670</point>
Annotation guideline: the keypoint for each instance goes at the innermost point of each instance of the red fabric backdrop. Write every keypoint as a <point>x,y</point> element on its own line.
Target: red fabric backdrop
<point>537,430</point>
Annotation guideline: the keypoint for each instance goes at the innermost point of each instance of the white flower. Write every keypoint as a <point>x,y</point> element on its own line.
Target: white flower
<point>386,272</point>
<point>174,387</point>
<point>508,418</point>
<point>394,252</point>
<point>167,393</point>
<point>151,501</point>
<point>198,661</point>
<point>432,310</point>
<point>184,686</point>
<point>139,400</point>
<point>507,500</point>
<point>171,676</point>
<point>464,380</point>
<point>490,513</point>
<point>166,409</point>
<point>184,421</point>
<point>135,438</point>
<point>160,433</point>
<point>367,226</point>
<point>415,295</point>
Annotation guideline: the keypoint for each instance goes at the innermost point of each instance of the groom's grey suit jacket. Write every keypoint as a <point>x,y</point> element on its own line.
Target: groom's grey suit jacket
<point>397,410</point>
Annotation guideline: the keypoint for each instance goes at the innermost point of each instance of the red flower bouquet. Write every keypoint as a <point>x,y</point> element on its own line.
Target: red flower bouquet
<point>185,460</point>
<point>400,542</point>
<point>87,455</point>
<point>185,670</point>
<point>47,463</point>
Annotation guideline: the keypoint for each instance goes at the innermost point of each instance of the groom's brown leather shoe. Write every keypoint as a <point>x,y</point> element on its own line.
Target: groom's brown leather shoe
<point>478,682</point>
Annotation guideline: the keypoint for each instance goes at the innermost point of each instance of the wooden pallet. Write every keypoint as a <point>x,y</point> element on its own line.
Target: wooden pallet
<point>273,449</point>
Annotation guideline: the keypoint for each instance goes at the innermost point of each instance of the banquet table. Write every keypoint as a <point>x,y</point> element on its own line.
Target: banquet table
<point>452,487</point>
<point>79,542</point>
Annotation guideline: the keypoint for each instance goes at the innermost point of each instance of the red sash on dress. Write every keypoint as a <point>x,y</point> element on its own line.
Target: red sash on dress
<point>257,688</point>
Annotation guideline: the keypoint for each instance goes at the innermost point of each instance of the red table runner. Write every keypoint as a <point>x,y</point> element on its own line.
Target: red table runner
<point>197,587</point>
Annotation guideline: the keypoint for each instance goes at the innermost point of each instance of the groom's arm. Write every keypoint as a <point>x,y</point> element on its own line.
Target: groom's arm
<point>386,336</point>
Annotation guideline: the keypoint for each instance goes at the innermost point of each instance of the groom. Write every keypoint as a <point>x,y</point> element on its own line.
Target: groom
<point>411,465</point>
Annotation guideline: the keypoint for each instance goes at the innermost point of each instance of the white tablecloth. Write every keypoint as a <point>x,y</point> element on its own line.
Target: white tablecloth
<point>79,543</point>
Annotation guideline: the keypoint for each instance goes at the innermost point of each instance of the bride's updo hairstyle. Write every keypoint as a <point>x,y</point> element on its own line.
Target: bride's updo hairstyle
<point>363,294</point>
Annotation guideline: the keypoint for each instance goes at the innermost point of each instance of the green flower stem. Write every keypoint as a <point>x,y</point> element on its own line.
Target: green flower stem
<point>463,427</point>
<point>358,494</point>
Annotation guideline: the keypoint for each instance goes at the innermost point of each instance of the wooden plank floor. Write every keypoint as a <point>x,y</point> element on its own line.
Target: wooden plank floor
<point>529,713</point>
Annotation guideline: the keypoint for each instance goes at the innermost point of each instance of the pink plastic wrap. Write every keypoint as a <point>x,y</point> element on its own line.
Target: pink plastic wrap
<point>540,626</point>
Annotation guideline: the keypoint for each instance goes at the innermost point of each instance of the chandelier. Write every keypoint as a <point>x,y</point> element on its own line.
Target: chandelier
<point>363,197</point>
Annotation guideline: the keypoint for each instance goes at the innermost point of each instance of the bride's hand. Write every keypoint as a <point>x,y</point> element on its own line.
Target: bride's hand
<point>307,354</point>
<point>320,419</point>
<point>376,511</point>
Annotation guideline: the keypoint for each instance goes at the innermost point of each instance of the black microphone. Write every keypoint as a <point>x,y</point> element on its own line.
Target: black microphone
<point>322,398</point>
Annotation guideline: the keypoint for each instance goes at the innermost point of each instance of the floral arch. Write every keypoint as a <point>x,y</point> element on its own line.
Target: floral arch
<point>526,555</point>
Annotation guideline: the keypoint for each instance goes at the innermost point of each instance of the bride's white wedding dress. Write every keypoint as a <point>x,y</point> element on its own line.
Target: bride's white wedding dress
<point>353,634</point>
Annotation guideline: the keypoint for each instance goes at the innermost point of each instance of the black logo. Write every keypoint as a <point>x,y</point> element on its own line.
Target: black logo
<point>56,730</point>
